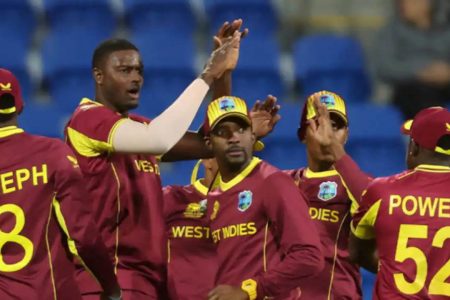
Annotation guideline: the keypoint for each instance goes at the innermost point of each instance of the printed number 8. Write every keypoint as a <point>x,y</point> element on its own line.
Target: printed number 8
<point>14,237</point>
<point>438,285</point>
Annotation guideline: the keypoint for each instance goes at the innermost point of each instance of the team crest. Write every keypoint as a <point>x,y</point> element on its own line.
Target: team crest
<point>245,199</point>
<point>227,104</point>
<point>328,100</point>
<point>6,87</point>
<point>327,190</point>
<point>195,210</point>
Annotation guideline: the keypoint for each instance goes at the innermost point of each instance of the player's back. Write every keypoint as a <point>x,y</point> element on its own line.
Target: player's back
<point>413,234</point>
<point>34,263</point>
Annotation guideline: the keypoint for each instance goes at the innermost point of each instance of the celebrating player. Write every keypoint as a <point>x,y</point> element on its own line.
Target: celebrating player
<point>402,227</point>
<point>332,199</point>
<point>266,242</point>
<point>116,151</point>
<point>43,198</point>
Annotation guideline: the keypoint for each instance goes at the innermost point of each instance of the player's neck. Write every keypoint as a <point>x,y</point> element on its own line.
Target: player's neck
<point>319,166</point>
<point>10,122</point>
<point>228,172</point>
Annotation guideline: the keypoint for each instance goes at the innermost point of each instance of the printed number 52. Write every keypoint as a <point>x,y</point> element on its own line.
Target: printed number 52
<point>14,237</point>
<point>438,285</point>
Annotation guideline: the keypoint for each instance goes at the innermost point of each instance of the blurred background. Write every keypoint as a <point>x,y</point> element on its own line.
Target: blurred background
<point>386,58</point>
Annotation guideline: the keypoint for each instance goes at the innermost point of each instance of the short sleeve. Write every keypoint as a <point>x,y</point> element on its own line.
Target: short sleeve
<point>364,219</point>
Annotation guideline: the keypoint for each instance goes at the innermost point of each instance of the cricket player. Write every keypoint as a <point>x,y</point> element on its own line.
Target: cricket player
<point>117,153</point>
<point>266,241</point>
<point>332,198</point>
<point>402,228</point>
<point>44,213</point>
<point>192,263</point>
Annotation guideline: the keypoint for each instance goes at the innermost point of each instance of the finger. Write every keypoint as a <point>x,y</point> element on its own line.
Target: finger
<point>312,125</point>
<point>244,33</point>
<point>269,103</point>
<point>275,110</point>
<point>275,119</point>
<point>217,42</point>
<point>222,29</point>
<point>256,106</point>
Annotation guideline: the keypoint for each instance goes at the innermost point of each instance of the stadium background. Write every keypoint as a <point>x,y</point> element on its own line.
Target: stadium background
<point>295,47</point>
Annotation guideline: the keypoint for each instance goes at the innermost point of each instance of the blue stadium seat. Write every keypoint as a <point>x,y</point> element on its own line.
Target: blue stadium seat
<point>43,119</point>
<point>258,73</point>
<point>84,15</point>
<point>173,16</point>
<point>178,173</point>
<point>258,15</point>
<point>331,62</point>
<point>67,60</point>
<point>17,22</point>
<point>375,140</point>
<point>284,154</point>
<point>168,67</point>
<point>368,281</point>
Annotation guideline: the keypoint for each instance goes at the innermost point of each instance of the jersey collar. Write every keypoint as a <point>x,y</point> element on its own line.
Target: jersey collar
<point>224,186</point>
<point>202,189</point>
<point>312,174</point>
<point>433,168</point>
<point>9,130</point>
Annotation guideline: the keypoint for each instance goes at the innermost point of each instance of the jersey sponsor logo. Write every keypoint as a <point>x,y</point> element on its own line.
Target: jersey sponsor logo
<point>234,230</point>
<point>13,181</point>
<point>6,87</point>
<point>195,210</point>
<point>245,200</point>
<point>227,104</point>
<point>424,206</point>
<point>215,211</point>
<point>191,232</point>
<point>327,190</point>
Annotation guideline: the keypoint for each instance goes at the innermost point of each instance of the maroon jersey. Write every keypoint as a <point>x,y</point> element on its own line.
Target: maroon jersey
<point>126,199</point>
<point>409,216</point>
<point>263,232</point>
<point>41,197</point>
<point>330,207</point>
<point>192,256</point>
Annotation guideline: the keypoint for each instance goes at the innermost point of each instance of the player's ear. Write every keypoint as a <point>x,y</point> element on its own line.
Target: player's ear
<point>207,140</point>
<point>98,75</point>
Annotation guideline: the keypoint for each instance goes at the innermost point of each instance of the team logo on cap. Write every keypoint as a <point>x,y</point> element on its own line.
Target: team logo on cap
<point>328,100</point>
<point>227,104</point>
<point>245,199</point>
<point>327,190</point>
<point>6,87</point>
<point>195,210</point>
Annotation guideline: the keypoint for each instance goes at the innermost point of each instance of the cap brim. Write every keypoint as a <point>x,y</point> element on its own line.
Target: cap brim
<point>230,115</point>
<point>406,127</point>
<point>340,115</point>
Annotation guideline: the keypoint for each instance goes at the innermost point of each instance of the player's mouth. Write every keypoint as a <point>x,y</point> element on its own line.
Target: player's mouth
<point>134,93</point>
<point>235,151</point>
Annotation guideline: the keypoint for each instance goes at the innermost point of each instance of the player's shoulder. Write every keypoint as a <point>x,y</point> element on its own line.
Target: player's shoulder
<point>139,118</point>
<point>178,191</point>
<point>90,111</point>
<point>272,176</point>
<point>382,186</point>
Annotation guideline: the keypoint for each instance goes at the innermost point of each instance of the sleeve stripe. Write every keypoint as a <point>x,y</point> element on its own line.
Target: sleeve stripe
<point>364,228</point>
<point>71,243</point>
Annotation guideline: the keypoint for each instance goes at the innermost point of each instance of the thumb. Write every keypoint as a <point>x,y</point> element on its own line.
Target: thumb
<point>217,42</point>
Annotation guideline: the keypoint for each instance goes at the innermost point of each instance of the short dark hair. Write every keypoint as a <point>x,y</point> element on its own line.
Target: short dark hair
<point>105,48</point>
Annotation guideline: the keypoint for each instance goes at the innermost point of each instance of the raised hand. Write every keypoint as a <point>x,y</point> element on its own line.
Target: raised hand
<point>322,131</point>
<point>265,116</point>
<point>223,58</point>
<point>226,30</point>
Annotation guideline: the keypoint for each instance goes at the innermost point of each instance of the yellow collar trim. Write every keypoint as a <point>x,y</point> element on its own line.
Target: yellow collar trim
<point>312,174</point>
<point>9,130</point>
<point>224,186</point>
<point>432,168</point>
<point>200,187</point>
<point>89,101</point>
